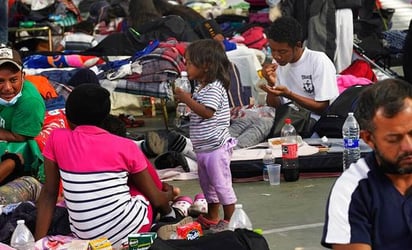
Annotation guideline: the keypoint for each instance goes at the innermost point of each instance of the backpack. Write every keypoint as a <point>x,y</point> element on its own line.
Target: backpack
<point>330,124</point>
<point>240,239</point>
<point>299,116</point>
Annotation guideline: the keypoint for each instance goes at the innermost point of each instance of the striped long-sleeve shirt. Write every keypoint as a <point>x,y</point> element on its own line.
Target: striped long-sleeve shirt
<point>94,167</point>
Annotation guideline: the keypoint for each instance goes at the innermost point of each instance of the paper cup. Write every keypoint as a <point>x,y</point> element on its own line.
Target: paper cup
<point>274,174</point>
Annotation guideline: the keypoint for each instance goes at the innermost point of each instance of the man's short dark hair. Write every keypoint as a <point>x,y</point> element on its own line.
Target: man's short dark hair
<point>84,27</point>
<point>389,94</point>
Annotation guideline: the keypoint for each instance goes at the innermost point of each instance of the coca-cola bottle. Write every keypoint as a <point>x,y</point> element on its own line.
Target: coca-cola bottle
<point>289,152</point>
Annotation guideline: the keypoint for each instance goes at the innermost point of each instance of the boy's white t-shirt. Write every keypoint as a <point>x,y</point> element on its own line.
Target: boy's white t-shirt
<point>313,76</point>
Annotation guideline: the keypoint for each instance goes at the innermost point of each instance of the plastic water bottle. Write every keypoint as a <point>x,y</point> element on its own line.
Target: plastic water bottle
<point>267,160</point>
<point>182,82</point>
<point>268,54</point>
<point>22,239</point>
<point>290,151</point>
<point>239,219</point>
<point>351,148</point>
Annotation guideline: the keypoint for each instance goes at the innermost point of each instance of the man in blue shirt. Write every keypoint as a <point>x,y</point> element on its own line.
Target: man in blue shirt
<point>370,205</point>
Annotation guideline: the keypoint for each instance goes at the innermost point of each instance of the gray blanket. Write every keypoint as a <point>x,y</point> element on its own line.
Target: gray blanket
<point>250,131</point>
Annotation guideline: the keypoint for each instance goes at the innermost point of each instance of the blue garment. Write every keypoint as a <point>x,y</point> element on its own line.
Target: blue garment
<point>365,207</point>
<point>114,65</point>
<point>4,32</point>
<point>229,45</point>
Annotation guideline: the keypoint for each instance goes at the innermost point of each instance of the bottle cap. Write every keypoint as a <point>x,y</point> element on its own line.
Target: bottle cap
<point>238,206</point>
<point>183,73</point>
<point>288,121</point>
<point>20,222</point>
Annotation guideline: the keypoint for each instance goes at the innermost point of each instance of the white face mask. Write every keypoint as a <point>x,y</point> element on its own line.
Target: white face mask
<point>11,102</point>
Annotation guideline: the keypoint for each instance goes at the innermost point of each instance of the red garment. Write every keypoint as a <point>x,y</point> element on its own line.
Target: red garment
<point>360,68</point>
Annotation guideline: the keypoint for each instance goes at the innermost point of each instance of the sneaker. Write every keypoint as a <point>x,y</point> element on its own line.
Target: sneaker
<point>221,226</point>
<point>171,159</point>
<point>206,223</point>
<point>183,203</point>
<point>199,206</point>
<point>176,141</point>
<point>155,143</point>
<point>169,231</point>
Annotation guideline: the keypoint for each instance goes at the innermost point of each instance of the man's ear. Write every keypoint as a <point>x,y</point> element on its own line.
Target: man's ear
<point>299,44</point>
<point>367,138</point>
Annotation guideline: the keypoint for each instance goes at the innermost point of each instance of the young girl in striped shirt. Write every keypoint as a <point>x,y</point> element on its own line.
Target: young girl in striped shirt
<point>208,65</point>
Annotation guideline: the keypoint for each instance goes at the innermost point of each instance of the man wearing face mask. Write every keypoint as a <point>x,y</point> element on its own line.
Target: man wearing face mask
<point>370,204</point>
<point>22,110</point>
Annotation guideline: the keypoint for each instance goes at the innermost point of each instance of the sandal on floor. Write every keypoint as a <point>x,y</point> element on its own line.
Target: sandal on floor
<point>199,206</point>
<point>206,223</point>
<point>182,203</point>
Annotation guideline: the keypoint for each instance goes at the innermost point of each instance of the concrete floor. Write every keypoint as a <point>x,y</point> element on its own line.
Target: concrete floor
<point>291,215</point>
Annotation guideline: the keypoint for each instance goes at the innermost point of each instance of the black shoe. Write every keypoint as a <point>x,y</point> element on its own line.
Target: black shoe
<point>171,159</point>
<point>176,141</point>
<point>168,220</point>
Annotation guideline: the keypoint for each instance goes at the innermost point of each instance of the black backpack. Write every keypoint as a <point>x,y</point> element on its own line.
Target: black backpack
<point>331,122</point>
<point>240,239</point>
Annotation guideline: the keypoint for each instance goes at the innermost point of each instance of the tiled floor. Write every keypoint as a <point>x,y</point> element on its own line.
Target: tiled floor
<point>402,15</point>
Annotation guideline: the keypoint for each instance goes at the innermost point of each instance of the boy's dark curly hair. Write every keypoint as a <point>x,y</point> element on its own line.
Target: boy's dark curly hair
<point>286,30</point>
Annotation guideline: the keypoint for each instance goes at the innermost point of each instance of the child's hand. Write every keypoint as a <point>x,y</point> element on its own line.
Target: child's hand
<point>181,95</point>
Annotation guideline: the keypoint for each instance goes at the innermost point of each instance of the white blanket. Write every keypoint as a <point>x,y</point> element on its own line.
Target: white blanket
<point>257,152</point>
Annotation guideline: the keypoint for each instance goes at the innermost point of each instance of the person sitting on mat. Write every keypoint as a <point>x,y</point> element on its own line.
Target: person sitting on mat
<point>114,194</point>
<point>22,111</point>
<point>81,38</point>
<point>298,74</point>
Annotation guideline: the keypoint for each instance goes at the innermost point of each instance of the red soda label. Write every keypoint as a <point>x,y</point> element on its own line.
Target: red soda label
<point>290,151</point>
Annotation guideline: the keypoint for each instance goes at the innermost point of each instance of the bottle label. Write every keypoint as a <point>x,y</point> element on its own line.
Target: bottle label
<point>350,143</point>
<point>290,151</point>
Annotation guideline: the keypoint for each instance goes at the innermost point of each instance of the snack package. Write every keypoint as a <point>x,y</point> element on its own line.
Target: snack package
<point>141,241</point>
<point>100,244</point>
<point>190,231</point>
